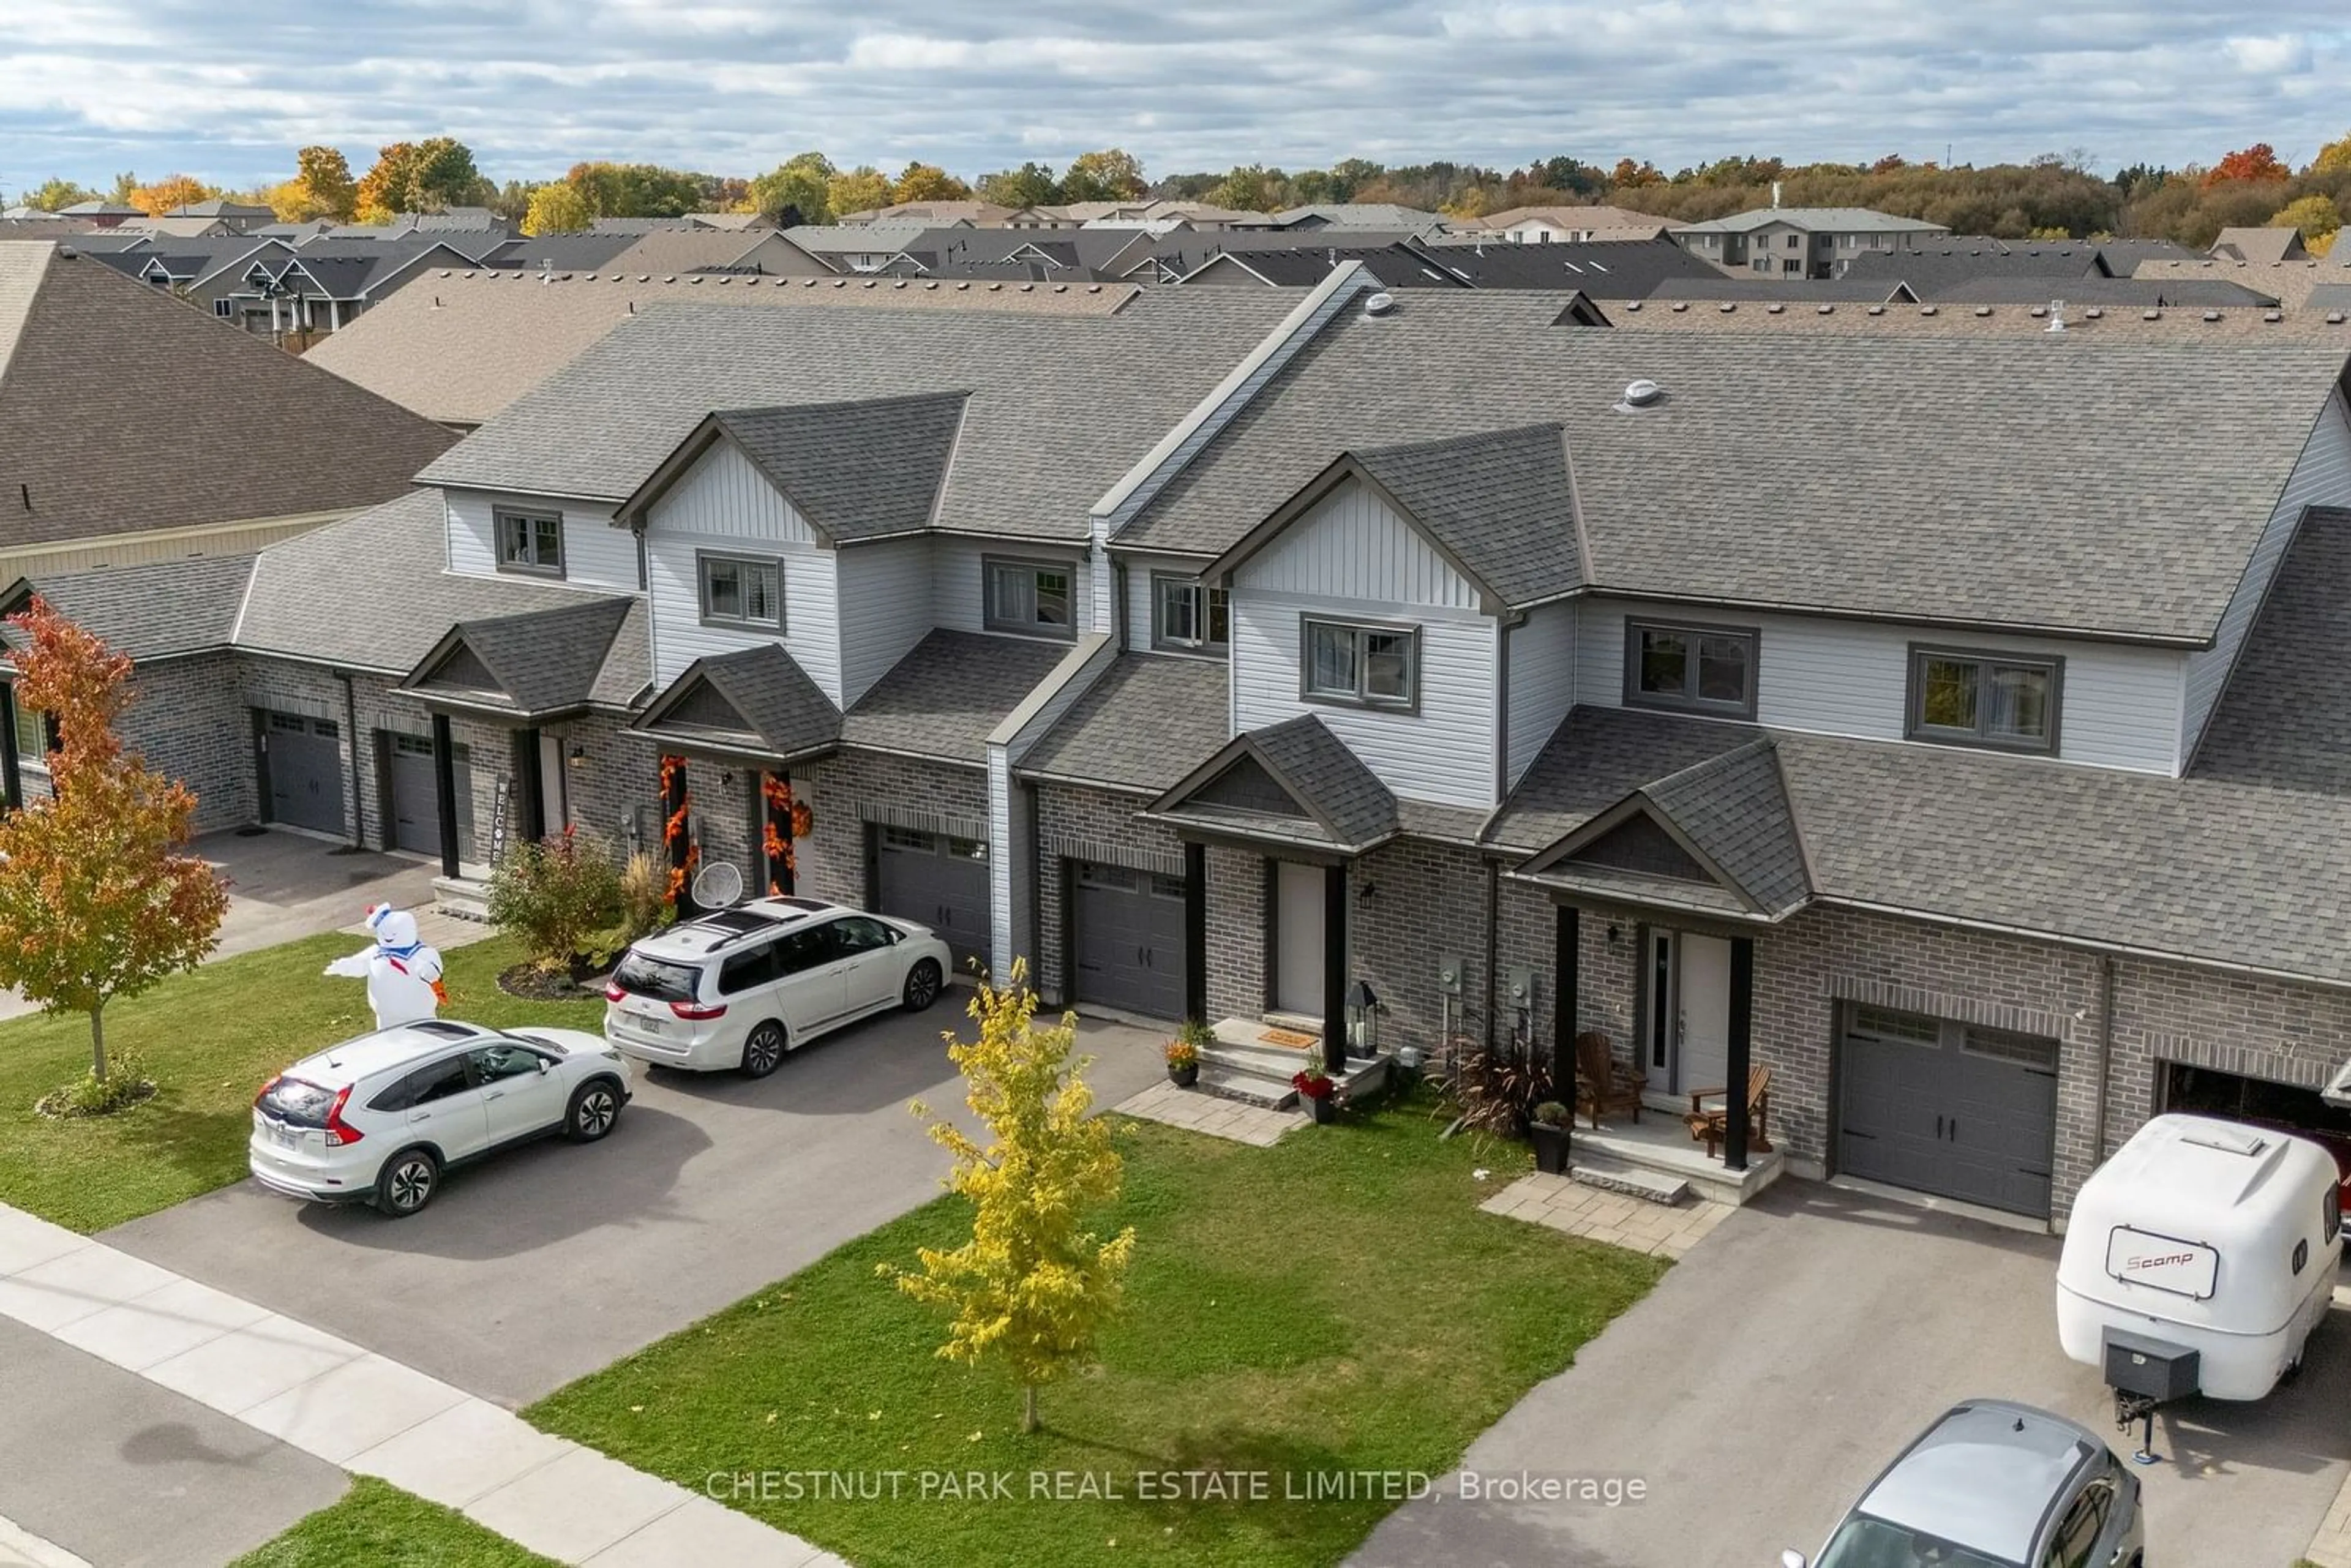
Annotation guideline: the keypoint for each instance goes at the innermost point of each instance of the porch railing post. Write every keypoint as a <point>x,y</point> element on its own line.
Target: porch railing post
<point>1196,932</point>
<point>1740,1054</point>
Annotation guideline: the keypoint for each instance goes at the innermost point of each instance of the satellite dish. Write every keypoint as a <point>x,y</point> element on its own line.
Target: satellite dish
<point>718,884</point>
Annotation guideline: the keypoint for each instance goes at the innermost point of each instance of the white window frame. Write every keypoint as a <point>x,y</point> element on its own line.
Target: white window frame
<point>1360,694</point>
<point>706,559</point>
<point>1207,602</point>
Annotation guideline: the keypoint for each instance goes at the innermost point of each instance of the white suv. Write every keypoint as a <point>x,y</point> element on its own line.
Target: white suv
<point>738,987</point>
<point>379,1118</point>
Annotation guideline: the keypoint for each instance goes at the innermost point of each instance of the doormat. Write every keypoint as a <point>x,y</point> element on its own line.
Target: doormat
<point>1291,1038</point>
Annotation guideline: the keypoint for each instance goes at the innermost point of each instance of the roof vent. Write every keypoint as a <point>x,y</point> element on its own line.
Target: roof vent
<point>1640,394</point>
<point>1728,306</point>
<point>1877,310</point>
<point>1823,310</point>
<point>1983,309</point>
<point>1925,310</point>
<point>2150,316</point>
<point>2038,311</point>
<point>1681,305</point>
<point>1632,305</point>
<point>2212,315</point>
<point>1775,308</point>
<point>2272,314</point>
<point>2096,312</point>
<point>1379,304</point>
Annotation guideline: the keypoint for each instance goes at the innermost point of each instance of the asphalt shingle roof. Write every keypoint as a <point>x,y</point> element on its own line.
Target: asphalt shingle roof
<point>944,696</point>
<point>787,713</point>
<point>855,470</point>
<point>1303,754</point>
<point>151,610</point>
<point>306,600</point>
<point>545,661</point>
<point>560,253</point>
<point>1750,484</point>
<point>1146,723</point>
<point>123,411</point>
<point>1500,501</point>
<point>1734,808</point>
<point>1059,407</point>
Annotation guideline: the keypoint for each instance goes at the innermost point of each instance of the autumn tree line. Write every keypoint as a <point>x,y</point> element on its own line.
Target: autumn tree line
<point>2050,196</point>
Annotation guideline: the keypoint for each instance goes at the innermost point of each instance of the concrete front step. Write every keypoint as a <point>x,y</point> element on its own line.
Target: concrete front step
<point>1613,1176</point>
<point>1250,1088</point>
<point>1277,1061</point>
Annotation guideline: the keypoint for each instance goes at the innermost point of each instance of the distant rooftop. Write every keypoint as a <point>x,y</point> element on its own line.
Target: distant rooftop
<point>1834,220</point>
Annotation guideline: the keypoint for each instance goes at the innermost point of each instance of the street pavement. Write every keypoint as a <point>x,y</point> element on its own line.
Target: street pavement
<point>123,1473</point>
<point>1781,1364</point>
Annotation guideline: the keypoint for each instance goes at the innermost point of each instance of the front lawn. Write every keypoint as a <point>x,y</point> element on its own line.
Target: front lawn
<point>1334,1303</point>
<point>210,1039</point>
<point>382,1526</point>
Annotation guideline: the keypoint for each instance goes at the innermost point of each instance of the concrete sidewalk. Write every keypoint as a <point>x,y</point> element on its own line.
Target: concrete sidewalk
<point>336,1401</point>
<point>21,1549</point>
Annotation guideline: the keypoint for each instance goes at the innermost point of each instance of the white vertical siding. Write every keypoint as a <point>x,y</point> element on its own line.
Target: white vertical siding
<point>1443,752</point>
<point>1542,681</point>
<point>1351,544</point>
<point>957,598</point>
<point>595,553</point>
<point>811,625</point>
<point>723,492</point>
<point>1008,854</point>
<point>885,609</point>
<point>2321,478</point>
<point>2120,707</point>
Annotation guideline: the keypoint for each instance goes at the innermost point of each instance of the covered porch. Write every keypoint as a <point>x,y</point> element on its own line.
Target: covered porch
<point>535,686</point>
<point>1271,825</point>
<point>1665,893</point>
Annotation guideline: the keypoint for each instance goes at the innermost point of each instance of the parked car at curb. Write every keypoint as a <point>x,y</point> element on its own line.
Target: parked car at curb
<point>737,988</point>
<point>380,1118</point>
<point>1993,1485</point>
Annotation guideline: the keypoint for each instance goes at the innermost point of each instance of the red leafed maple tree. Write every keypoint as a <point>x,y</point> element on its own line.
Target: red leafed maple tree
<point>98,896</point>
<point>2258,164</point>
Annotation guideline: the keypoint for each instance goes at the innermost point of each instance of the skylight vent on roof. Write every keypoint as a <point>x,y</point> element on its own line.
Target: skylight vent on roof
<point>1380,303</point>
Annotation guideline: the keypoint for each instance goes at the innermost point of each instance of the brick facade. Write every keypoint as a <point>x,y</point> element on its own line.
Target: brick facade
<point>853,788</point>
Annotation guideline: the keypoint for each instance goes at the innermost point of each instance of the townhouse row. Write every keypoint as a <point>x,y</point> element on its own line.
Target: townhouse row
<point>1947,725</point>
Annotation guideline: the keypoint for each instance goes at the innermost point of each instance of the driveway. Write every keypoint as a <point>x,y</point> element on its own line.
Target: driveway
<point>124,1473</point>
<point>1781,1364</point>
<point>552,1262</point>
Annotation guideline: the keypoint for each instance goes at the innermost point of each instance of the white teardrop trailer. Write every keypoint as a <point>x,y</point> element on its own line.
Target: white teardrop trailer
<point>2198,1260</point>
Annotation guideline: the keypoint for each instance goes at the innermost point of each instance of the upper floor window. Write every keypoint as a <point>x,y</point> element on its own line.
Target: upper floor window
<point>738,590</point>
<point>1795,242</point>
<point>1706,669</point>
<point>1034,597</point>
<point>1976,698</point>
<point>36,736</point>
<point>530,542</point>
<point>1187,613</point>
<point>1377,666</point>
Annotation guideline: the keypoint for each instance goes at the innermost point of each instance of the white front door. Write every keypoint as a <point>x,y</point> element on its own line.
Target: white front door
<point>553,788</point>
<point>1704,1017</point>
<point>1298,939</point>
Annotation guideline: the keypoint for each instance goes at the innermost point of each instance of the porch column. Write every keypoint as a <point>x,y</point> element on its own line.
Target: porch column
<point>445,792</point>
<point>1196,932</point>
<point>1566,954</point>
<point>11,781</point>
<point>1334,969</point>
<point>1742,1014</point>
<point>530,786</point>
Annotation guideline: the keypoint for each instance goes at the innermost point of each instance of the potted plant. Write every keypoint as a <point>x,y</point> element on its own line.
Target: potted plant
<point>1548,1132</point>
<point>1318,1091</point>
<point>1182,1054</point>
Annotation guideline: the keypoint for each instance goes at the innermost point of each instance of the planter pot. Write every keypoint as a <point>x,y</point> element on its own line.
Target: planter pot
<point>1184,1077</point>
<point>1550,1148</point>
<point>1323,1111</point>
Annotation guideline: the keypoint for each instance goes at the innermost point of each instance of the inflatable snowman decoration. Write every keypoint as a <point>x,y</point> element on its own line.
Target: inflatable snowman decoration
<point>403,975</point>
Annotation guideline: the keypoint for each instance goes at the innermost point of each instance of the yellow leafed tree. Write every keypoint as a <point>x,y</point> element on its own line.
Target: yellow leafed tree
<point>557,208</point>
<point>1036,1283</point>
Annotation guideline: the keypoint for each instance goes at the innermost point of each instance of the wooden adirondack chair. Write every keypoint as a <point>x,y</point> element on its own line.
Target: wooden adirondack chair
<point>1602,1082</point>
<point>1709,1125</point>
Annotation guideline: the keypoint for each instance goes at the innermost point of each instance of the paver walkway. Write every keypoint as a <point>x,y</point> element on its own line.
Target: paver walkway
<point>1565,1204</point>
<point>1201,1113</point>
<point>337,1401</point>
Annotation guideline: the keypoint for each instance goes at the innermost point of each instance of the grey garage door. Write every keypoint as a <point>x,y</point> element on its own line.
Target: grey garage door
<point>1126,934</point>
<point>1948,1108</point>
<point>416,798</point>
<point>304,761</point>
<point>940,880</point>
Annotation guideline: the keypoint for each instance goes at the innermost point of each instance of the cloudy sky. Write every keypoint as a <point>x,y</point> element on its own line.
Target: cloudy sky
<point>226,93</point>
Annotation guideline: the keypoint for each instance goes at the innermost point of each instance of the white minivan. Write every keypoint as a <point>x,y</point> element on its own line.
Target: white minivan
<point>738,987</point>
